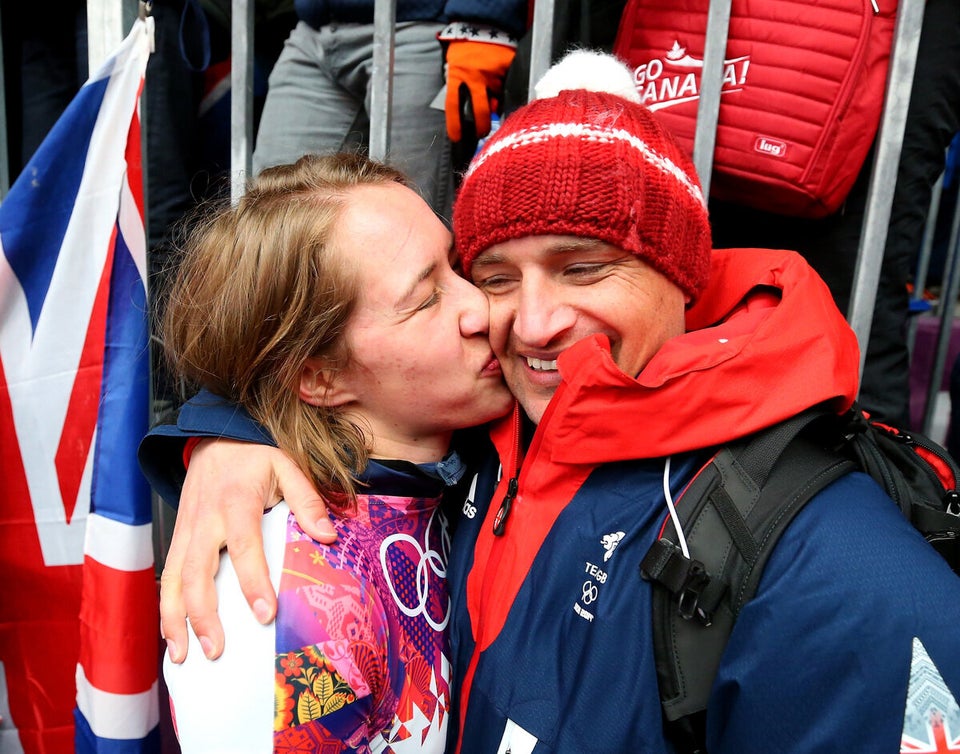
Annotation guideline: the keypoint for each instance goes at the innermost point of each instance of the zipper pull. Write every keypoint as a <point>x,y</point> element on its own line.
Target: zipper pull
<point>500,522</point>
<point>876,8</point>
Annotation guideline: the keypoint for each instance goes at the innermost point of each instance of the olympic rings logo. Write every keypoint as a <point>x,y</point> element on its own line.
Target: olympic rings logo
<point>589,592</point>
<point>429,562</point>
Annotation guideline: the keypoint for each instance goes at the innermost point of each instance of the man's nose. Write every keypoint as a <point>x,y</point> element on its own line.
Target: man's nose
<point>543,314</point>
<point>475,313</point>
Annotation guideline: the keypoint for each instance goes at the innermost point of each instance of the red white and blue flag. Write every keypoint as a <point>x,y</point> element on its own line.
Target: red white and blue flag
<point>931,722</point>
<point>78,598</point>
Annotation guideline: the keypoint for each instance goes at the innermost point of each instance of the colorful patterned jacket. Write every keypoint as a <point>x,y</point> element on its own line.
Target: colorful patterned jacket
<point>358,658</point>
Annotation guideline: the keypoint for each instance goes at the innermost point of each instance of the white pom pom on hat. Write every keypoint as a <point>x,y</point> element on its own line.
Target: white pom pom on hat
<point>589,70</point>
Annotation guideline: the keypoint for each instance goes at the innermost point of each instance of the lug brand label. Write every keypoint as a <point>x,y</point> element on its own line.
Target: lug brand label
<point>770,146</point>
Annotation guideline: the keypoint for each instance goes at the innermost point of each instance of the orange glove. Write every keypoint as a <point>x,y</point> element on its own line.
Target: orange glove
<point>481,67</point>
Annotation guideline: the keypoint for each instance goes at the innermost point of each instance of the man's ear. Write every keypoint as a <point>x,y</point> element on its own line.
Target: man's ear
<point>323,385</point>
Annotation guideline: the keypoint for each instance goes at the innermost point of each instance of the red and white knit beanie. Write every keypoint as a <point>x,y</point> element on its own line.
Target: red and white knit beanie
<point>596,164</point>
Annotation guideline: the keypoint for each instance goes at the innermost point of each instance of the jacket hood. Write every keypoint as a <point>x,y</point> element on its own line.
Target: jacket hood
<point>764,342</point>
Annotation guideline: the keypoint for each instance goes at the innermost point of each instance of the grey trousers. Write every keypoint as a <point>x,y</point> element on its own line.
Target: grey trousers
<point>319,95</point>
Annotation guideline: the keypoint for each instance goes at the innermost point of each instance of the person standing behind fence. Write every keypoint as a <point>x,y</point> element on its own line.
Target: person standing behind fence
<point>319,90</point>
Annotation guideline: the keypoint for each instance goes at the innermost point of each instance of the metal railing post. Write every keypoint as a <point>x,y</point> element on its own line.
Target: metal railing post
<point>381,85</point>
<point>923,260</point>
<point>108,23</point>
<point>241,96</point>
<point>711,84</point>
<point>883,178</point>
<point>948,302</point>
<point>541,42</point>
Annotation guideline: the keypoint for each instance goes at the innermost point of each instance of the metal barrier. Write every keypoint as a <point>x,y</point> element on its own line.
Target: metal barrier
<point>241,95</point>
<point>883,179</point>
<point>381,90</point>
<point>108,21</point>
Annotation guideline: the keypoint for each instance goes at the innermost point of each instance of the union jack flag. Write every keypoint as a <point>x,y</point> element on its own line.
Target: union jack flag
<point>931,722</point>
<point>78,598</point>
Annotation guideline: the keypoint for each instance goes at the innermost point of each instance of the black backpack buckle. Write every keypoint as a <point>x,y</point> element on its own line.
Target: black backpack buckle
<point>687,579</point>
<point>688,597</point>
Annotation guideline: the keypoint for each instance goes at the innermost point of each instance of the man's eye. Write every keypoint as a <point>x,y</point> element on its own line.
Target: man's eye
<point>584,270</point>
<point>492,283</point>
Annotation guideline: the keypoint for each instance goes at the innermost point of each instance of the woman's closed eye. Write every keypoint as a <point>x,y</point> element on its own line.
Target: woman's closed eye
<point>432,300</point>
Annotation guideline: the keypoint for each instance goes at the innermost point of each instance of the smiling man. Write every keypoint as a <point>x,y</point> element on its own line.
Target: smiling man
<point>634,351</point>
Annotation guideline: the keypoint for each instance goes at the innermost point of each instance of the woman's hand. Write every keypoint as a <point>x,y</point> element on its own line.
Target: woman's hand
<point>229,484</point>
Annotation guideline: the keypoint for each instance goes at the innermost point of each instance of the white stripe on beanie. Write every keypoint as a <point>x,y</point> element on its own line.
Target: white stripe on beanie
<point>541,134</point>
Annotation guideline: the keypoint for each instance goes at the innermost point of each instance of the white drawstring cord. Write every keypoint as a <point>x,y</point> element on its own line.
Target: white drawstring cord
<point>673,511</point>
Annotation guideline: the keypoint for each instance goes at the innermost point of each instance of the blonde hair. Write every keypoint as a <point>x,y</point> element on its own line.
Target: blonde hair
<point>258,291</point>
